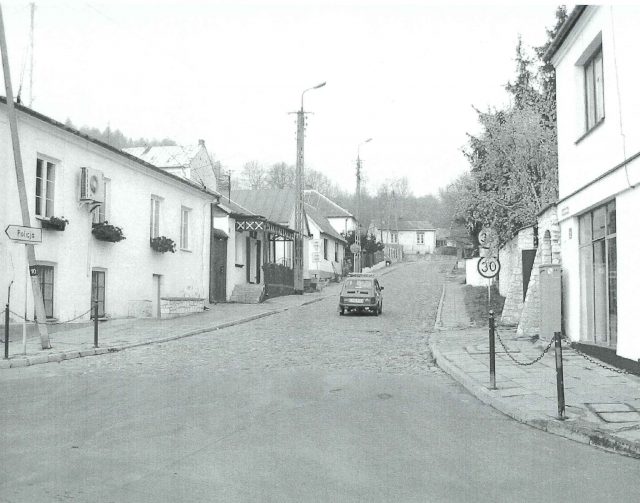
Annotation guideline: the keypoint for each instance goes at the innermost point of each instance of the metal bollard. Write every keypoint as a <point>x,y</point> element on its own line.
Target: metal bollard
<point>6,333</point>
<point>559,375</point>
<point>492,351</point>
<point>95,323</point>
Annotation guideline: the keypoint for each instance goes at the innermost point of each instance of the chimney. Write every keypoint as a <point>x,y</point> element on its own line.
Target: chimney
<point>200,143</point>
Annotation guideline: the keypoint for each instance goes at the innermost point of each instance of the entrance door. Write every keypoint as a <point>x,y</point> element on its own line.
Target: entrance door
<point>45,278</point>
<point>98,292</point>
<point>155,296</point>
<point>528,257</point>
<point>258,255</point>
<point>218,272</point>
<point>248,259</point>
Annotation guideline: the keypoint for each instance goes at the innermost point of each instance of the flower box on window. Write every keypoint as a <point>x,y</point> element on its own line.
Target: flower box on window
<point>54,223</point>
<point>104,231</point>
<point>162,244</point>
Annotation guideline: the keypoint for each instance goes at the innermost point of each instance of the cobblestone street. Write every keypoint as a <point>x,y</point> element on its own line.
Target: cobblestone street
<point>304,405</point>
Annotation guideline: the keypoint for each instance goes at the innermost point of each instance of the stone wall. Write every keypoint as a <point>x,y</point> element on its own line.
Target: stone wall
<point>510,280</point>
<point>548,250</point>
<point>511,277</point>
<point>179,306</point>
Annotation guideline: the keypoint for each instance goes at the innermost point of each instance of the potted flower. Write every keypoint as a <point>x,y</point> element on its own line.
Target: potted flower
<point>54,223</point>
<point>104,231</point>
<point>162,244</point>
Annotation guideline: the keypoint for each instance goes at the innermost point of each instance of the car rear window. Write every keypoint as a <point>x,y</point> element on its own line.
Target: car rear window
<point>359,283</point>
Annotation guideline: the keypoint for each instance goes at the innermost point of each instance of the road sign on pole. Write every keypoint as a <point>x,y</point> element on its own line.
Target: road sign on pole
<point>23,234</point>
<point>488,267</point>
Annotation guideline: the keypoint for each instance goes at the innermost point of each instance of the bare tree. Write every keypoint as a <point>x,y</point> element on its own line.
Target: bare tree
<point>281,176</point>
<point>254,175</point>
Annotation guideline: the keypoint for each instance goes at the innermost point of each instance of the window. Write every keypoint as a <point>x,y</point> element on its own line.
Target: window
<point>394,237</point>
<point>420,238</point>
<point>335,252</point>
<point>326,248</point>
<point>594,90</point>
<point>45,187</point>
<point>184,228</point>
<point>598,275</point>
<point>100,214</point>
<point>45,278</point>
<point>154,225</point>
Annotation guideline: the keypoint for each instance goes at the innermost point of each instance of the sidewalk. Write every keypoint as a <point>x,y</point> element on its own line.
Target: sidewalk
<point>602,406</point>
<point>76,340</point>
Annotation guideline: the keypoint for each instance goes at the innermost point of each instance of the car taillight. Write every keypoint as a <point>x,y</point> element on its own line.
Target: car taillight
<point>341,299</point>
<point>372,300</point>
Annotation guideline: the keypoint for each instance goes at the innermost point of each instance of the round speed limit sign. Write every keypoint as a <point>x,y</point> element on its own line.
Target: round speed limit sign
<point>488,267</point>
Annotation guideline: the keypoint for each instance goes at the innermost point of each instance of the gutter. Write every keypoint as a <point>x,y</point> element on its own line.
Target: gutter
<point>564,31</point>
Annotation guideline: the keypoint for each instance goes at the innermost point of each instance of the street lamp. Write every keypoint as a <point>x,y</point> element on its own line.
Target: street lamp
<point>298,280</point>
<point>357,255</point>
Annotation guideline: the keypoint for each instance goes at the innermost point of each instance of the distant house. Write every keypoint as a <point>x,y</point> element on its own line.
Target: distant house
<point>415,236</point>
<point>192,162</point>
<point>326,248</point>
<point>456,238</point>
<point>339,218</point>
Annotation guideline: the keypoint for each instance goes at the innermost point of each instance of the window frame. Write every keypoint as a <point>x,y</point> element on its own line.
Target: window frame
<point>420,237</point>
<point>154,217</point>
<point>185,244</point>
<point>45,187</point>
<point>592,117</point>
<point>101,213</point>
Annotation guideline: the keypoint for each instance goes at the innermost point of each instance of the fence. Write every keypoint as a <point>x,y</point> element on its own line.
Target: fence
<point>278,280</point>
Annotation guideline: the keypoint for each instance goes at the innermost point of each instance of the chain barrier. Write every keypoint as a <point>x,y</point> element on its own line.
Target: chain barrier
<point>568,345</point>
<point>50,322</point>
<point>592,360</point>
<point>517,362</point>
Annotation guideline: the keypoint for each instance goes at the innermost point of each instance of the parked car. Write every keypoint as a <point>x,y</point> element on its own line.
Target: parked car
<point>361,292</point>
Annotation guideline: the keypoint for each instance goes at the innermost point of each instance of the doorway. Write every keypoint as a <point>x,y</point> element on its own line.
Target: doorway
<point>218,269</point>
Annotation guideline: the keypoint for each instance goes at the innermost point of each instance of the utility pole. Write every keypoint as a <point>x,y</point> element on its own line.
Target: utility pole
<point>22,191</point>
<point>33,12</point>
<point>298,243</point>
<point>357,255</point>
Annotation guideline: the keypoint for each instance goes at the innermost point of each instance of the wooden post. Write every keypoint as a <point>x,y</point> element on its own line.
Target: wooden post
<point>22,191</point>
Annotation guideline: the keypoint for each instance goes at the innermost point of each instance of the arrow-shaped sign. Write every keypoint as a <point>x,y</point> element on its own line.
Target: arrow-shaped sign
<point>30,235</point>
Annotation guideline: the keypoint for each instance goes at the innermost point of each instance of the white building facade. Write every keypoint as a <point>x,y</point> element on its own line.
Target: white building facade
<point>128,277</point>
<point>595,56</point>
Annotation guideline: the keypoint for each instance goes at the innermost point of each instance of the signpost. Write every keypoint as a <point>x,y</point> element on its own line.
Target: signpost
<point>23,234</point>
<point>29,236</point>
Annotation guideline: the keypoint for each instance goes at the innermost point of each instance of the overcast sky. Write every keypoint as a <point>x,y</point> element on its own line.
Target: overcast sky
<point>404,73</point>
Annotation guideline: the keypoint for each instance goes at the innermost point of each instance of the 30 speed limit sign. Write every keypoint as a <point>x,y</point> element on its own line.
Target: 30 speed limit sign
<point>488,267</point>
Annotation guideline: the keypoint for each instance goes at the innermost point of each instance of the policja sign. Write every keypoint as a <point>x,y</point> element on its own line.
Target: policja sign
<point>22,234</point>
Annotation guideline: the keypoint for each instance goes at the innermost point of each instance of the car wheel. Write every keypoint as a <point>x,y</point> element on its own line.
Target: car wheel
<point>380,308</point>
<point>342,311</point>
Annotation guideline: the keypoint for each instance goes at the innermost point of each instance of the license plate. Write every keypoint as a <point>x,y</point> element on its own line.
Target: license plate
<point>357,301</point>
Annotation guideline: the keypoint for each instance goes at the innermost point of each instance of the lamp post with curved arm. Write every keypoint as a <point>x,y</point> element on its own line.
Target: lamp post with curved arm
<point>298,252</point>
<point>357,255</point>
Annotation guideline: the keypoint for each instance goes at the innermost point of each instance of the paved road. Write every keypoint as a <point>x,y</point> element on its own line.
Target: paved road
<point>302,406</point>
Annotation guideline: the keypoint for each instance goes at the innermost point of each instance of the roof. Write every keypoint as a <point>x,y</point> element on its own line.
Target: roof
<point>323,223</point>
<point>166,156</point>
<point>106,146</point>
<point>324,205</point>
<point>276,205</point>
<point>564,31</point>
<point>233,208</point>
<point>409,225</point>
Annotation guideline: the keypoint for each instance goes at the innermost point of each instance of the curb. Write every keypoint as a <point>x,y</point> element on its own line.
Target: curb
<point>578,431</point>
